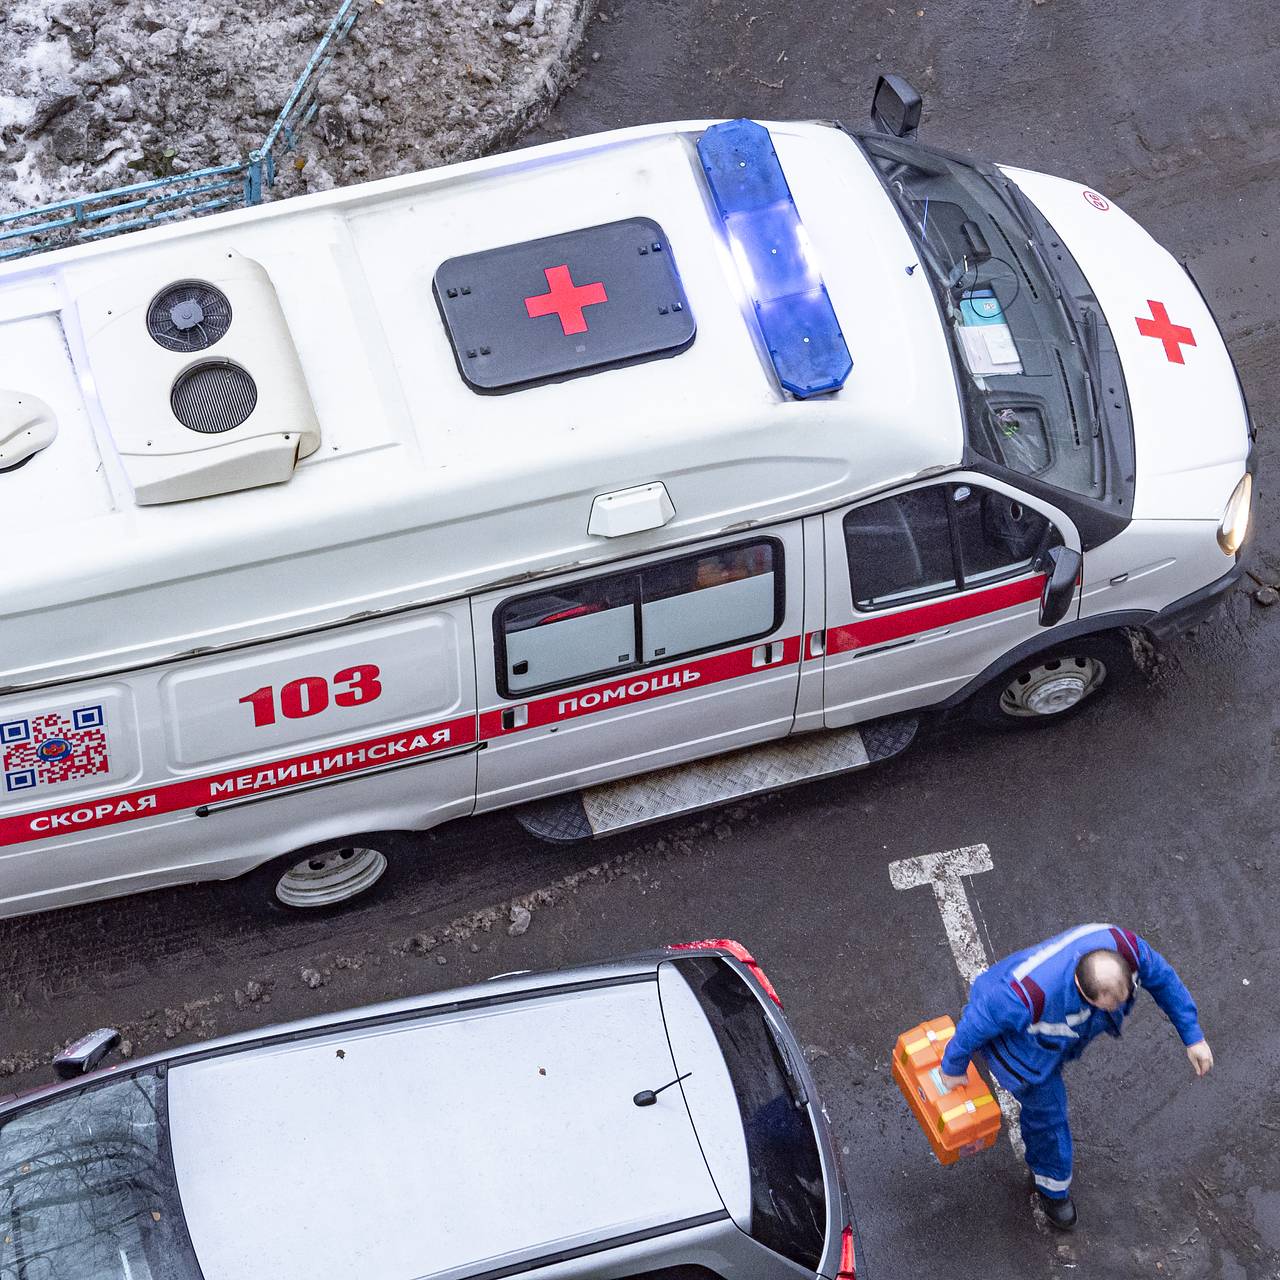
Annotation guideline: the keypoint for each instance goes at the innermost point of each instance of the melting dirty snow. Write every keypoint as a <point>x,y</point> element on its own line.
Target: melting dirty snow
<point>100,93</point>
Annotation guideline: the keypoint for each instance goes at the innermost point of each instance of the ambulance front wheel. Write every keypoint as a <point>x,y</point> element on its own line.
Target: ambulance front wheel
<point>1050,686</point>
<point>325,878</point>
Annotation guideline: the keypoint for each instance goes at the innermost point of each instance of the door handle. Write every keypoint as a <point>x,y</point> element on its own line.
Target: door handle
<point>515,717</point>
<point>765,655</point>
<point>817,643</point>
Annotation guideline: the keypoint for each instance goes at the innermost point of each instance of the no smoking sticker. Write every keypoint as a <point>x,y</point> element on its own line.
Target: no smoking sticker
<point>1101,203</point>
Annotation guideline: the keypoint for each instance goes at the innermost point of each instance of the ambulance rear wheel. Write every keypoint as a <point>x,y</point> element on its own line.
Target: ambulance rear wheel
<point>1048,687</point>
<point>325,879</point>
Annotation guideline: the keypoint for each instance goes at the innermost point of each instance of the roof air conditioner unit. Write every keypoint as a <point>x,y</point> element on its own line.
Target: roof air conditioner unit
<point>198,377</point>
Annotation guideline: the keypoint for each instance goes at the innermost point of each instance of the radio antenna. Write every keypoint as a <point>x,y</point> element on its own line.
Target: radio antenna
<point>647,1097</point>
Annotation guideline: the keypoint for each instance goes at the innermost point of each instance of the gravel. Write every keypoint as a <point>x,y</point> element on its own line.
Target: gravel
<point>100,93</point>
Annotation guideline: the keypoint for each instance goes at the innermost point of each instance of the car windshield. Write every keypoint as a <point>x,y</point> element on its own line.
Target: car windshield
<point>87,1188</point>
<point>1028,336</point>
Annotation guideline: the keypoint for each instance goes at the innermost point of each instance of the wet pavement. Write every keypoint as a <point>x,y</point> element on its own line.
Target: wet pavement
<point>1156,807</point>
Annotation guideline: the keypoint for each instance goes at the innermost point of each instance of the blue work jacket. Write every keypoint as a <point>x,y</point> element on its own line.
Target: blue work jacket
<point>1027,1017</point>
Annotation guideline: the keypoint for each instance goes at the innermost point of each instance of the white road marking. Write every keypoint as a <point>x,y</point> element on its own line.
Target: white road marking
<point>943,873</point>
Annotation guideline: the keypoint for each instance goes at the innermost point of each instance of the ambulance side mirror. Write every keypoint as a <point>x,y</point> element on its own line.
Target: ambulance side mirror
<point>896,107</point>
<point>1061,567</point>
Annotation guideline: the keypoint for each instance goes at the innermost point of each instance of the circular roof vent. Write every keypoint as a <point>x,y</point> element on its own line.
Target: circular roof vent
<point>27,425</point>
<point>188,316</point>
<point>213,396</point>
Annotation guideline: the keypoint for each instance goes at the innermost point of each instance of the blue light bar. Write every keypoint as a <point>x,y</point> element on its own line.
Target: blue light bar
<point>774,258</point>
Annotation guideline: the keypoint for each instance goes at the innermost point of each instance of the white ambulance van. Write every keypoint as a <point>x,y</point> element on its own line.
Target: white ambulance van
<point>604,480</point>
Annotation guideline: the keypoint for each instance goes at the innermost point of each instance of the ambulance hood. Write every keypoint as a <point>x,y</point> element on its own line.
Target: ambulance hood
<point>1190,429</point>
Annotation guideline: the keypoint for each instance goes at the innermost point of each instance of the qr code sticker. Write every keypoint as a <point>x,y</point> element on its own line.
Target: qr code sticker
<point>49,749</point>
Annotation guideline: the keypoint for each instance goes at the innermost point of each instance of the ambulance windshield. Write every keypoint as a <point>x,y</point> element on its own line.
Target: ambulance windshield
<point>1040,378</point>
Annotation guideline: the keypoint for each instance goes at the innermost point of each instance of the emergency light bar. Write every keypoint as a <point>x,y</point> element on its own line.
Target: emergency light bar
<point>774,258</point>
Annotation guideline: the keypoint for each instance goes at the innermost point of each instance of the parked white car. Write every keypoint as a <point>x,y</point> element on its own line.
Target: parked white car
<point>650,1118</point>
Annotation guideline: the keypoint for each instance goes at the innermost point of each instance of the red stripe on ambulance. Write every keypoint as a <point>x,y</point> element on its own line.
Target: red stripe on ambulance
<point>882,628</point>
<point>639,687</point>
<point>277,775</point>
<point>259,779</point>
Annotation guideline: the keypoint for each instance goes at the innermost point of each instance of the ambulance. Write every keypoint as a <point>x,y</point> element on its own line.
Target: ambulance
<point>602,481</point>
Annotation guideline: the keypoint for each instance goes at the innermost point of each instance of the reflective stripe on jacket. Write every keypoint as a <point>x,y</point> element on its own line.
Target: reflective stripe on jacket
<point>1028,1017</point>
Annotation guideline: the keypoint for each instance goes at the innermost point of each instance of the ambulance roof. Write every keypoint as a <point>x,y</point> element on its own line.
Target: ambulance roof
<point>422,488</point>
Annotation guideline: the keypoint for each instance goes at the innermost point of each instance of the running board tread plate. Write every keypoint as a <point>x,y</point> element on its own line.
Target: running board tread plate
<point>718,780</point>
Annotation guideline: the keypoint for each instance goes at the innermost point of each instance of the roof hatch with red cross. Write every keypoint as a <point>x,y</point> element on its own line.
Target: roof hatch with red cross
<point>564,305</point>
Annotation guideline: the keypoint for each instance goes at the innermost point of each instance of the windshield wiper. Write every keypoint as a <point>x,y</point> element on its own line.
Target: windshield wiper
<point>1093,372</point>
<point>1084,332</point>
<point>797,1090</point>
<point>1023,209</point>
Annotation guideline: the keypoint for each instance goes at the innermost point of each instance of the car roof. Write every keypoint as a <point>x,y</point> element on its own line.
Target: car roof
<point>478,1136</point>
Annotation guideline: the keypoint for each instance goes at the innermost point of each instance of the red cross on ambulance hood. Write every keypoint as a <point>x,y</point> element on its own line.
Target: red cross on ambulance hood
<point>1190,430</point>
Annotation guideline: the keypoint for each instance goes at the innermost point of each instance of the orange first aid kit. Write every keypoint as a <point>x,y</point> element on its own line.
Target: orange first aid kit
<point>957,1122</point>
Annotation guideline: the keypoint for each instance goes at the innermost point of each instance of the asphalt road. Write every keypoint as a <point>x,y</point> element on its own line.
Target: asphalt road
<point>1156,807</point>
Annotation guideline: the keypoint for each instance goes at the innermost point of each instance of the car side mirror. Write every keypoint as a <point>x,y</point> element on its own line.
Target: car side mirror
<point>1061,567</point>
<point>896,107</point>
<point>85,1054</point>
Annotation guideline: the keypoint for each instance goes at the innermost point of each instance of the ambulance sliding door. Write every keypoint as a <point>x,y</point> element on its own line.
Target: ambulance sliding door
<point>928,586</point>
<point>669,658</point>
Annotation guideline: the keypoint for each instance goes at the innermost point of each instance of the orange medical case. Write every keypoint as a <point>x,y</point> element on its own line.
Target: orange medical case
<point>957,1122</point>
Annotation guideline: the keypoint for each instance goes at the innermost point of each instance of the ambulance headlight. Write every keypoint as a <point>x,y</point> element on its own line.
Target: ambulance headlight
<point>1235,519</point>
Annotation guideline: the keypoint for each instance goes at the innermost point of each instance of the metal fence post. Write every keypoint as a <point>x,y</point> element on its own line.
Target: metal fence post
<point>253,179</point>
<point>63,222</point>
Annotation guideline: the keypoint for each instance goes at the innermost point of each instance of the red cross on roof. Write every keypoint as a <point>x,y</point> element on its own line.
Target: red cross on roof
<point>566,299</point>
<point>1160,326</point>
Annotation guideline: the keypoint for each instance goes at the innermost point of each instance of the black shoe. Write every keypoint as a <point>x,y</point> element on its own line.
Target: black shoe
<point>1061,1213</point>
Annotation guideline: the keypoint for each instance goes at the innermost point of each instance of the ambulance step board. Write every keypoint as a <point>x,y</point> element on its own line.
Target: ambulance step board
<point>704,784</point>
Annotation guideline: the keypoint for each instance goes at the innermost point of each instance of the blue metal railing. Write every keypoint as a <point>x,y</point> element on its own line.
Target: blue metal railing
<point>146,204</point>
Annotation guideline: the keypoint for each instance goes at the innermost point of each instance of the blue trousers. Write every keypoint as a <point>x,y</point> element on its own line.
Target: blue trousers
<point>1047,1133</point>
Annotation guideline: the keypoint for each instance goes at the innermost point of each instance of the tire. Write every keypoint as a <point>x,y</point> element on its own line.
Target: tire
<point>1051,686</point>
<point>325,879</point>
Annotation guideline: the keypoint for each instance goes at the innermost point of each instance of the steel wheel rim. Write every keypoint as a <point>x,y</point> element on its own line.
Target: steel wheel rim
<point>1052,687</point>
<point>330,877</point>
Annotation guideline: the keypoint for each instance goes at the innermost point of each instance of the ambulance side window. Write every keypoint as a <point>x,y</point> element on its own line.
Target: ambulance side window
<point>652,613</point>
<point>900,549</point>
<point>947,537</point>
<point>709,600</point>
<point>570,633</point>
<point>998,535</point>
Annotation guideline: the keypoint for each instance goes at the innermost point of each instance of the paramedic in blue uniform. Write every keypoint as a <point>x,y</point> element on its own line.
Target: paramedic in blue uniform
<point>1038,1009</point>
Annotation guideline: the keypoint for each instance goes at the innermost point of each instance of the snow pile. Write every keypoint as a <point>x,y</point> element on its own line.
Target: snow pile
<point>100,93</point>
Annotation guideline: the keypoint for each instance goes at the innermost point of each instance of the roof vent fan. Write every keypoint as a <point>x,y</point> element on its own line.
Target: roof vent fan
<point>188,316</point>
<point>213,396</point>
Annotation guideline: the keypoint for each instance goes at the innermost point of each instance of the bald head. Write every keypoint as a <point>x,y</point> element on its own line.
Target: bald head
<point>1105,979</point>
